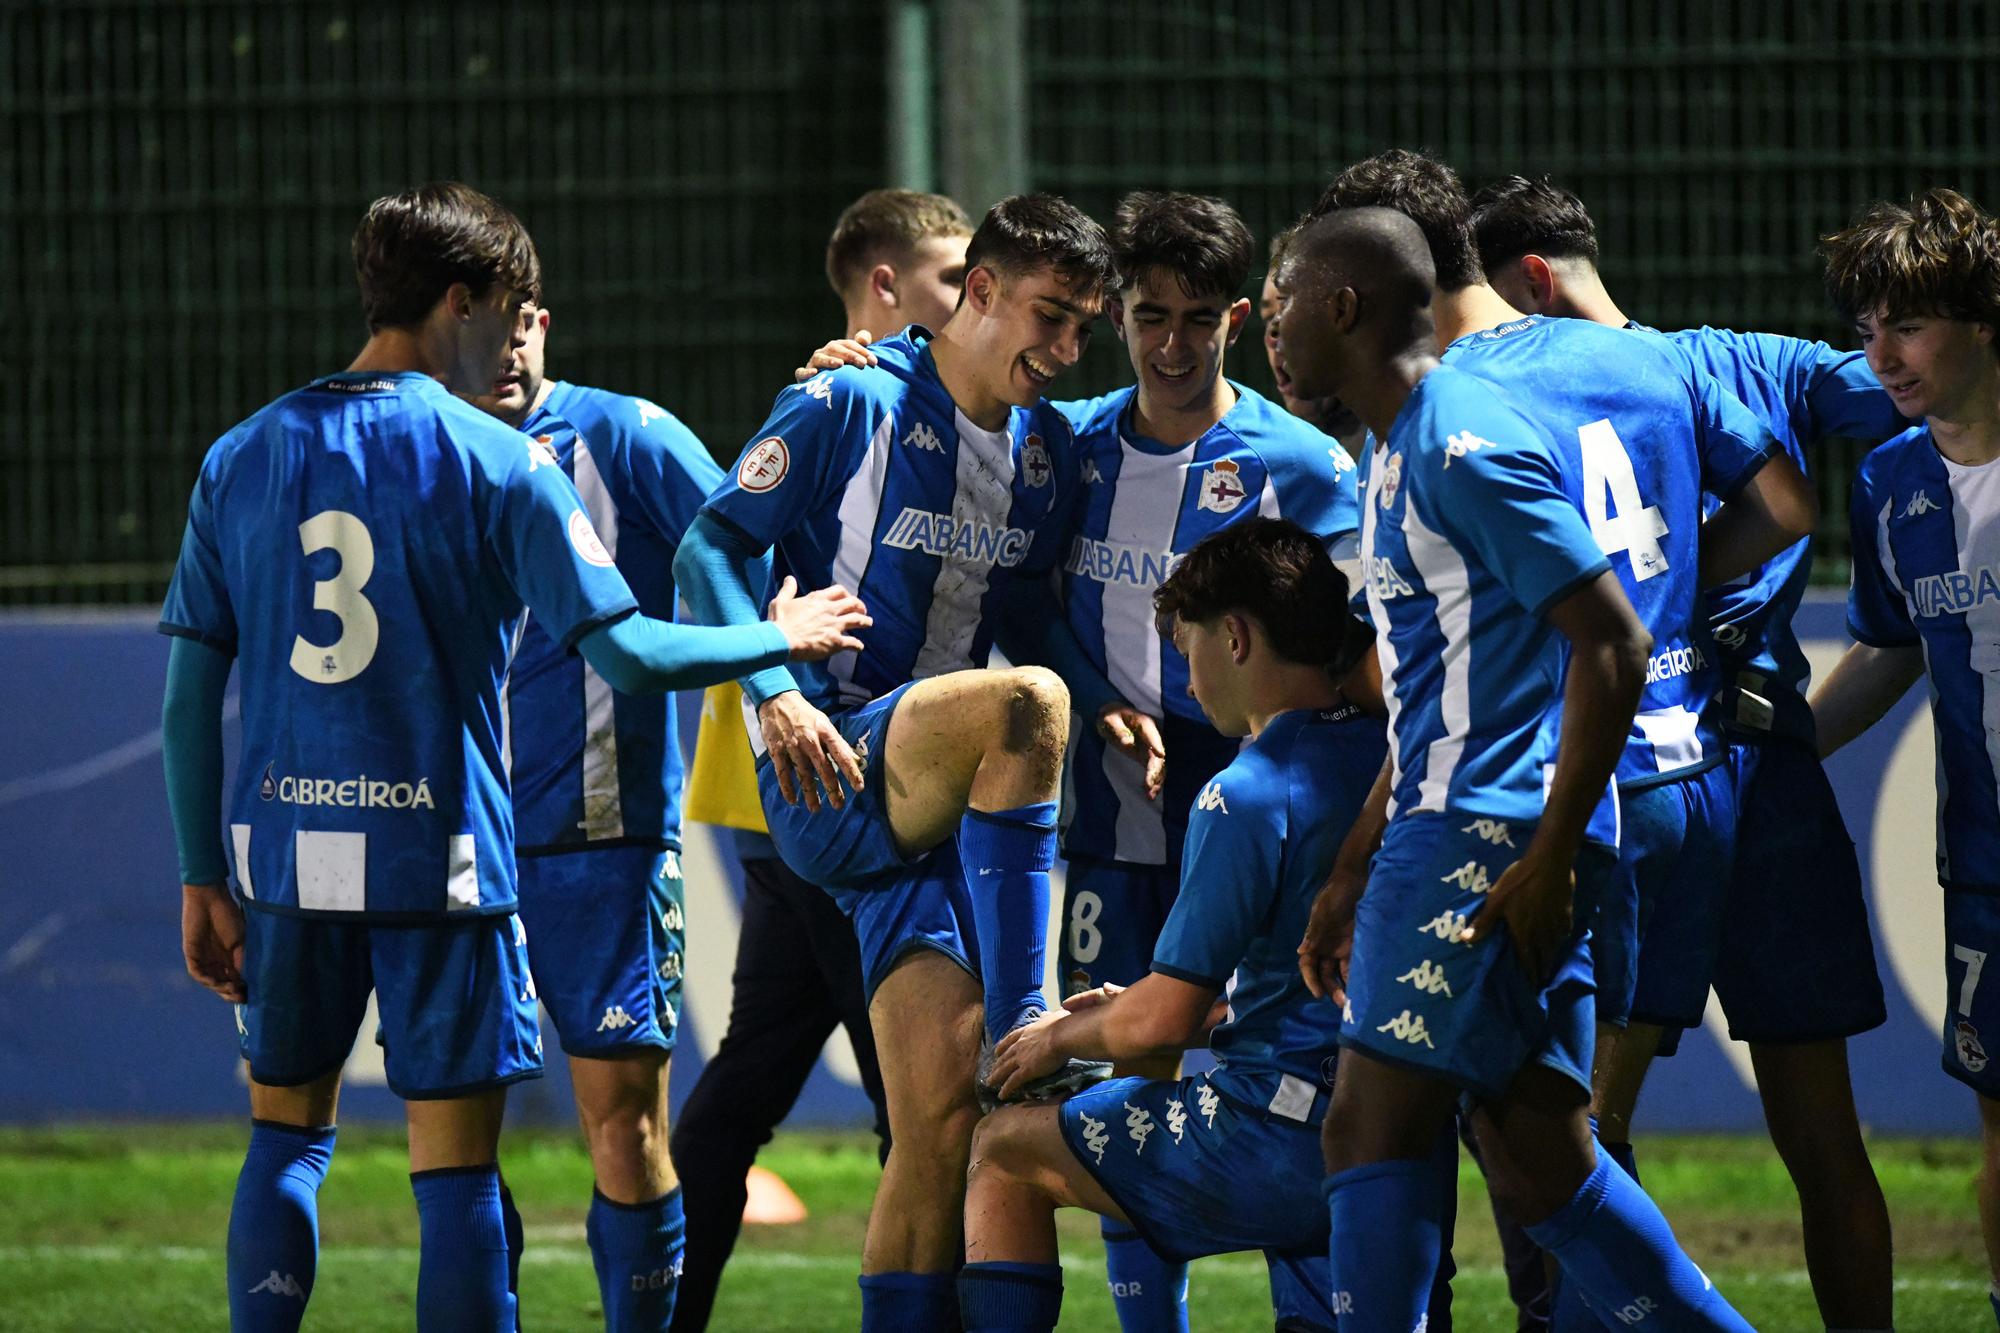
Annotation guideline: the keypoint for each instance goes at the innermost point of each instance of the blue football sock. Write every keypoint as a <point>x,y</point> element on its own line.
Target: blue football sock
<point>274,1225</point>
<point>1009,1298</point>
<point>517,1240</point>
<point>1619,1252</point>
<point>462,1267</point>
<point>637,1248</point>
<point>1388,1230</point>
<point>1148,1291</point>
<point>1006,856</point>
<point>1569,1312</point>
<point>895,1302</point>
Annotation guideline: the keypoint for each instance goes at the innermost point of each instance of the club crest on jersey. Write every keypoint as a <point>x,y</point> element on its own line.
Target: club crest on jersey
<point>764,465</point>
<point>1035,465</point>
<point>1392,479</point>
<point>1965,1040</point>
<point>584,538</point>
<point>1222,489</point>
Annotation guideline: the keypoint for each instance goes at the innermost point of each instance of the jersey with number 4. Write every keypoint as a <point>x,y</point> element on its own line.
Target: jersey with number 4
<point>1926,534</point>
<point>1647,433</point>
<point>363,546</point>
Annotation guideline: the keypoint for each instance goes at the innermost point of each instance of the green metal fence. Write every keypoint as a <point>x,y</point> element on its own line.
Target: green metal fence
<point>178,180</point>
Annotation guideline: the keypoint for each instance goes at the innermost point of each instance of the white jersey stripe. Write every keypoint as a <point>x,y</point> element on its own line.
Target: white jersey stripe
<point>603,805</point>
<point>461,884</point>
<point>1385,649</point>
<point>1445,578</point>
<point>331,870</point>
<point>1674,735</point>
<point>1975,494</point>
<point>239,837</point>
<point>984,493</point>
<point>1145,508</point>
<point>860,509</point>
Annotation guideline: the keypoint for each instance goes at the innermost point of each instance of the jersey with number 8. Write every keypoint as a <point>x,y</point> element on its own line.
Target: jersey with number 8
<point>1648,433</point>
<point>364,546</point>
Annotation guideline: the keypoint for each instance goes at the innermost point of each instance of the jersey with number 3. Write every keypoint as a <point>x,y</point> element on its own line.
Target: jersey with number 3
<point>364,546</point>
<point>1647,433</point>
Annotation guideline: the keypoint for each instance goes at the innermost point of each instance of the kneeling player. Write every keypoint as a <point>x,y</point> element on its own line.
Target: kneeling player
<point>1226,1160</point>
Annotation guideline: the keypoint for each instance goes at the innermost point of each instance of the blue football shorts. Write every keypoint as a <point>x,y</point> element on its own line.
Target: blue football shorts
<point>1972,999</point>
<point>1199,1173</point>
<point>455,999</point>
<point>852,847</point>
<point>1466,1013</point>
<point>607,932</point>
<point>1113,912</point>
<point>1657,932</point>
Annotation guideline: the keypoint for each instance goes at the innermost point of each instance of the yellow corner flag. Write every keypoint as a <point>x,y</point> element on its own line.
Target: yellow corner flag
<point>722,784</point>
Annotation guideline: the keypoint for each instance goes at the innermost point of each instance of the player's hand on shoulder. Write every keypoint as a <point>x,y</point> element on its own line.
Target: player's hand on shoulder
<point>1329,937</point>
<point>1027,1053</point>
<point>809,756</point>
<point>1533,899</point>
<point>819,624</point>
<point>840,352</point>
<point>1137,736</point>
<point>212,939</point>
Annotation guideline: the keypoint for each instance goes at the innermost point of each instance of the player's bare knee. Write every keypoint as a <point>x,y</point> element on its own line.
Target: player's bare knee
<point>1036,717</point>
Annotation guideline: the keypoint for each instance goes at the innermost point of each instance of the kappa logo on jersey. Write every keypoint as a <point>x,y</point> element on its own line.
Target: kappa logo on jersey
<point>361,793</point>
<point>1955,593</point>
<point>1471,877</point>
<point>1493,830</point>
<point>1207,1103</point>
<point>764,465</point>
<point>1429,978</point>
<point>1920,504</point>
<point>1089,472</point>
<point>586,541</point>
<point>1410,1028</point>
<point>1342,462</point>
<point>1446,925</point>
<point>966,540</point>
<point>615,1018</point>
<point>1386,581</point>
<point>1211,798</point>
<point>1392,479</point>
<point>1094,1137</point>
<point>1462,444</point>
<point>541,453</point>
<point>241,1030</point>
<point>1222,489</point>
<point>1035,465</point>
<point>1138,1125</point>
<point>1675,662</point>
<point>922,437</point>
<point>1965,1040</point>
<point>648,412</point>
<point>1115,562</point>
<point>281,1285</point>
<point>821,388</point>
<point>1176,1118</point>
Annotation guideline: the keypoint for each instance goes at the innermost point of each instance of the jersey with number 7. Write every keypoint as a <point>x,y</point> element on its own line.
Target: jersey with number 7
<point>364,546</point>
<point>1647,433</point>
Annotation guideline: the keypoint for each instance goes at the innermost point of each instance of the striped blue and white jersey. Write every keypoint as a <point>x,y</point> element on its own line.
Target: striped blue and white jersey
<point>1261,839</point>
<point>1471,528</point>
<point>589,765</point>
<point>364,546</point>
<point>1647,434</point>
<point>871,477</point>
<point>1926,535</point>
<point>1143,506</point>
<point>1803,392</point>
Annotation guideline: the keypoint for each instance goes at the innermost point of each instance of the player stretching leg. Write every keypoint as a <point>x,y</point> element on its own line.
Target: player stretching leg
<point>1226,1160</point>
<point>1481,570</point>
<point>934,479</point>
<point>596,779</point>
<point>365,545</point>
<point>1794,868</point>
<point>1922,284</point>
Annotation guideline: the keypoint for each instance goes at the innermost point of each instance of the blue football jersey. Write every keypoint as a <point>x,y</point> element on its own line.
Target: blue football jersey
<point>1143,506</point>
<point>1803,392</point>
<point>872,478</point>
<point>1471,528</point>
<point>1261,838</point>
<point>1926,534</point>
<point>364,546</point>
<point>1647,433</point>
<point>589,765</point>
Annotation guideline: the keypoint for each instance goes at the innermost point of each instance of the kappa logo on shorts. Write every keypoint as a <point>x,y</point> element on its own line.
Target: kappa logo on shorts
<point>281,1285</point>
<point>1094,1137</point>
<point>1471,877</point>
<point>1138,1125</point>
<point>1211,798</point>
<point>1965,1040</point>
<point>1493,830</point>
<point>1447,926</point>
<point>1429,978</point>
<point>670,865</point>
<point>1408,1027</point>
<point>670,966</point>
<point>1176,1118</point>
<point>673,918</point>
<point>1207,1103</point>
<point>615,1018</point>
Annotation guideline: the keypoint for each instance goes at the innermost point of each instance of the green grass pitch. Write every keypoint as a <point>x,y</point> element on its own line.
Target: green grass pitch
<point>122,1228</point>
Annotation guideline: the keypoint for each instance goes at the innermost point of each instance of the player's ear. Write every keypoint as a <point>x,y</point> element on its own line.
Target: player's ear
<point>1346,306</point>
<point>458,301</point>
<point>1114,310</point>
<point>882,284</point>
<point>982,289</point>
<point>1238,629</point>
<point>543,318</point>
<point>1541,281</point>
<point>1239,315</point>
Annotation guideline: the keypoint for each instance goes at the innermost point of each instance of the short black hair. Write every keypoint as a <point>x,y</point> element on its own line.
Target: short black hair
<point>1280,575</point>
<point>1025,232</point>
<point>411,247</point>
<point>1515,216</point>
<point>1428,193</point>
<point>1199,239</point>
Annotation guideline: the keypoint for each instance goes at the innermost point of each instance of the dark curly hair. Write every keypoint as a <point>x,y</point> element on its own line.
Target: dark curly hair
<point>1277,573</point>
<point>1425,191</point>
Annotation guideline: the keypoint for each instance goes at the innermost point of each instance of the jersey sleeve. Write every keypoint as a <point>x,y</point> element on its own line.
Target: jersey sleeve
<point>671,471</point>
<point>1319,492</point>
<point>1828,391</point>
<point>1230,876</point>
<point>1877,613</point>
<point>197,605</point>
<point>803,453</point>
<point>544,542</point>
<point>1731,441</point>
<point>1505,499</point>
